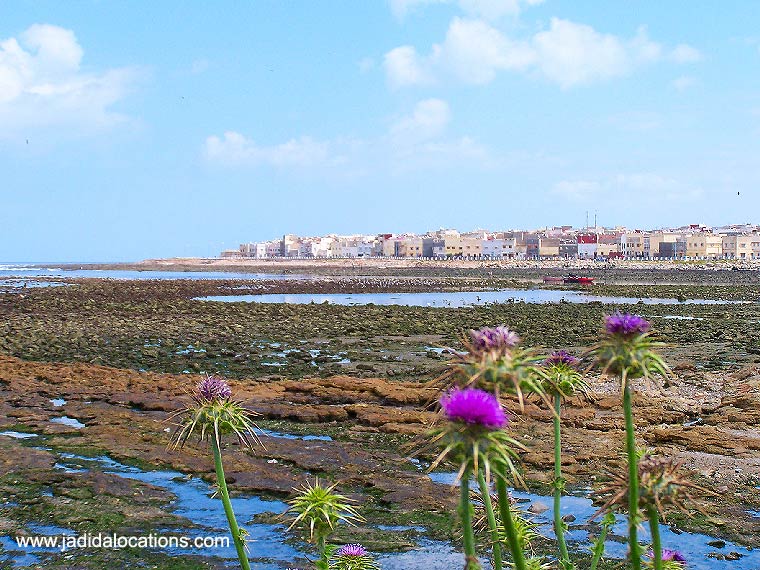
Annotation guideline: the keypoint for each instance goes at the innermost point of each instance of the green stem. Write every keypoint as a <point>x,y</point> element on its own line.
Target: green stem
<point>559,525</point>
<point>609,520</point>
<point>224,494</point>
<point>322,549</point>
<point>465,512</point>
<point>654,526</point>
<point>633,477</point>
<point>486,495</point>
<point>505,511</point>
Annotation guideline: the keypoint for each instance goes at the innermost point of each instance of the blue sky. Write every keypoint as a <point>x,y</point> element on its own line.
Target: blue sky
<point>131,130</point>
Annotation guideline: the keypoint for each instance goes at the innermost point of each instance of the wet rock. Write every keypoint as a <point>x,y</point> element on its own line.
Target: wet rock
<point>537,508</point>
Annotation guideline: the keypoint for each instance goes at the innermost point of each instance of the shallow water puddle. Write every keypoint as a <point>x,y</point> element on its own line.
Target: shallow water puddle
<point>194,502</point>
<point>67,421</point>
<point>278,434</point>
<point>694,546</point>
<point>18,434</point>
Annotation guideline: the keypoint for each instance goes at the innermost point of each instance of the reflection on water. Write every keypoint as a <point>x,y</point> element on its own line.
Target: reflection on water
<point>455,299</point>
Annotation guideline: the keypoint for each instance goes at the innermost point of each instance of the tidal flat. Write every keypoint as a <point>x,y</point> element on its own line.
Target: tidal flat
<point>123,354</point>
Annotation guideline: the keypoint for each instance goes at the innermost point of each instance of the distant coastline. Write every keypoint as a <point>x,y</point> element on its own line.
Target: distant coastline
<point>285,265</point>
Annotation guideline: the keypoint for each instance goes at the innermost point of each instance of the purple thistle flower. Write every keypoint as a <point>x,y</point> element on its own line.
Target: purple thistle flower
<point>474,407</point>
<point>625,324</point>
<point>493,339</point>
<point>352,550</point>
<point>561,357</point>
<point>212,389</point>
<point>673,555</point>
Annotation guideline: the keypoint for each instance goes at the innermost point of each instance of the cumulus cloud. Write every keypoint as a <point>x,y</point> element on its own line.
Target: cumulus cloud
<point>234,148</point>
<point>428,120</point>
<point>404,67</point>
<point>567,53</point>
<point>488,9</point>
<point>418,140</point>
<point>684,53</point>
<point>42,84</point>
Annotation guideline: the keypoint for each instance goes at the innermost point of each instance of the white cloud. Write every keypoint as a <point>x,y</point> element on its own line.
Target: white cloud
<point>415,141</point>
<point>474,51</point>
<point>42,84</point>
<point>429,120</point>
<point>234,148</point>
<point>567,53</point>
<point>684,53</point>
<point>403,67</point>
<point>572,54</point>
<point>401,8</point>
<point>488,9</point>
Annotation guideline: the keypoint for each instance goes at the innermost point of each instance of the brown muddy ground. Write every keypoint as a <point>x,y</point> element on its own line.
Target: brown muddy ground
<point>706,419</point>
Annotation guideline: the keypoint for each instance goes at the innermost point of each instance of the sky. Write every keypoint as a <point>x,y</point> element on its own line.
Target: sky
<point>133,130</point>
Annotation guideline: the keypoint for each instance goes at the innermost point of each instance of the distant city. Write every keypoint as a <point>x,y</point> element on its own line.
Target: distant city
<point>695,241</point>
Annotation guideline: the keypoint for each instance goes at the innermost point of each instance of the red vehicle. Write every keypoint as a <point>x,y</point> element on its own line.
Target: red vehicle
<point>578,280</point>
<point>553,280</point>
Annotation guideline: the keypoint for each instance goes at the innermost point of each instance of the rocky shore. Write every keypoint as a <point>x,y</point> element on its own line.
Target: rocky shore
<point>117,357</point>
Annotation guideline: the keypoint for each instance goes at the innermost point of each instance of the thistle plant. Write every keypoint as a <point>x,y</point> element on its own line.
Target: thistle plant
<point>561,380</point>
<point>319,509</point>
<point>212,415</point>
<point>494,361</point>
<point>474,438</point>
<point>526,531</point>
<point>661,485</point>
<point>670,560</point>
<point>628,351</point>
<point>352,557</point>
<point>597,547</point>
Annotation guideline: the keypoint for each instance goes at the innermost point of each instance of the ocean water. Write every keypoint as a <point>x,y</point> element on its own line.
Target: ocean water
<point>28,270</point>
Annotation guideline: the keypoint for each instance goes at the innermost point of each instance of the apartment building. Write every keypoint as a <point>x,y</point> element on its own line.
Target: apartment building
<point>738,246</point>
<point>704,245</point>
<point>633,244</point>
<point>587,245</point>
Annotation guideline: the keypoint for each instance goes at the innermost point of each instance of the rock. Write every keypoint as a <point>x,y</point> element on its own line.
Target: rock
<point>568,518</point>
<point>717,544</point>
<point>537,508</point>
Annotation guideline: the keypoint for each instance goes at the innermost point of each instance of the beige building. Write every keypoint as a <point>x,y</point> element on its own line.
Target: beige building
<point>548,247</point>
<point>704,244</point>
<point>657,238</point>
<point>409,247</point>
<point>738,246</point>
<point>454,246</point>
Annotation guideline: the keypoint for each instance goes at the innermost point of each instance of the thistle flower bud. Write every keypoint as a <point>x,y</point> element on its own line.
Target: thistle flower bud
<point>561,357</point>
<point>493,339</point>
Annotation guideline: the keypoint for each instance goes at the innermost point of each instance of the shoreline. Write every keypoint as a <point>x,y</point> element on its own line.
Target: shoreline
<point>243,264</point>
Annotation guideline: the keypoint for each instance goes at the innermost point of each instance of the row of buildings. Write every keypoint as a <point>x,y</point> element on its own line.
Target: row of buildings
<point>691,242</point>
